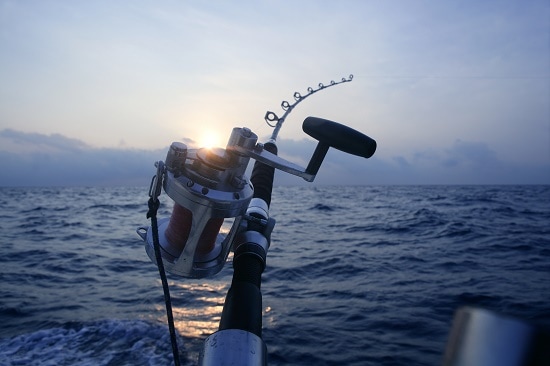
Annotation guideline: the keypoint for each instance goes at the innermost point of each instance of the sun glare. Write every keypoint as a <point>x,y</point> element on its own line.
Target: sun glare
<point>210,139</point>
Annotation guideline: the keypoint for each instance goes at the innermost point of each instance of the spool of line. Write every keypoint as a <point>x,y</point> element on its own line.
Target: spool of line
<point>179,229</point>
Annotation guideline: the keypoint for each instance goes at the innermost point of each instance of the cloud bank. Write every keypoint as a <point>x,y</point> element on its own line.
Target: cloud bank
<point>33,159</point>
<point>463,162</point>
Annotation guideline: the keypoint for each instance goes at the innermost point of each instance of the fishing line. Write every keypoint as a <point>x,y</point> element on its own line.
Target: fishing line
<point>154,204</point>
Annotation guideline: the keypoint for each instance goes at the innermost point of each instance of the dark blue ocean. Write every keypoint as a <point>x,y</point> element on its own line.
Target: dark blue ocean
<point>357,275</point>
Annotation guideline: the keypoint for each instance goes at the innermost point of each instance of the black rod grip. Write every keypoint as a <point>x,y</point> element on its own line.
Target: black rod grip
<point>262,176</point>
<point>242,308</point>
<point>340,137</point>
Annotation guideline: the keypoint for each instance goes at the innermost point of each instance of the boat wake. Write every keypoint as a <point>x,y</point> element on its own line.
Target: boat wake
<point>105,342</point>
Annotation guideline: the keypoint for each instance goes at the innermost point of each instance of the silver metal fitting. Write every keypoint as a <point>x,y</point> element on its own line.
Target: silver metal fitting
<point>233,347</point>
<point>259,207</point>
<point>175,158</point>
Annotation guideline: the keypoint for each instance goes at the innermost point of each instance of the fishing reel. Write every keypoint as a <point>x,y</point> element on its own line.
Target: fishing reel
<point>209,188</point>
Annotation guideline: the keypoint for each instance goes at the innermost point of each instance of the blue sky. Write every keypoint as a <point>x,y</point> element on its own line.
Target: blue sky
<point>454,92</point>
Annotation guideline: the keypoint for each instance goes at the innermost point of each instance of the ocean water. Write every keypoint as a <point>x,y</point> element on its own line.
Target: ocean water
<point>357,275</point>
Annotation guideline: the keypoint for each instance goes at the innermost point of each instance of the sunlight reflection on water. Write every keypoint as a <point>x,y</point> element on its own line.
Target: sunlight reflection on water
<point>200,317</point>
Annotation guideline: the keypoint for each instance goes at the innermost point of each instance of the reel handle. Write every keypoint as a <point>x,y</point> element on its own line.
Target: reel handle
<point>333,134</point>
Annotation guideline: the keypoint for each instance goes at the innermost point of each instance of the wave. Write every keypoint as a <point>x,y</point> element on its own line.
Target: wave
<point>104,342</point>
<point>356,275</point>
<point>322,207</point>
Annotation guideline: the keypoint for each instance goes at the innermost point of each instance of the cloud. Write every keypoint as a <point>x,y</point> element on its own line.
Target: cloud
<point>468,162</point>
<point>33,141</point>
<point>464,162</point>
<point>33,159</point>
<point>470,153</point>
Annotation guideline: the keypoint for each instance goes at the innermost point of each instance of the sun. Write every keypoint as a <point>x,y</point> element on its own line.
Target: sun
<point>210,139</point>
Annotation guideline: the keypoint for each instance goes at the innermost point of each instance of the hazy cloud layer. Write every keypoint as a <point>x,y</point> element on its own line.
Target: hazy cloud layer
<point>53,160</point>
<point>464,162</point>
<point>32,159</point>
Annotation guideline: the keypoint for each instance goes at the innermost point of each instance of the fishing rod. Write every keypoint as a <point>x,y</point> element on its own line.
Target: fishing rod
<point>210,187</point>
<point>271,117</point>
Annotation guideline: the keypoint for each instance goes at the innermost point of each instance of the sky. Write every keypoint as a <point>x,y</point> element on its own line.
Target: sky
<point>454,92</point>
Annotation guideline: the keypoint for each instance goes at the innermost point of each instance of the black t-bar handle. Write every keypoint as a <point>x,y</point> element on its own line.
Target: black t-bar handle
<point>333,134</point>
